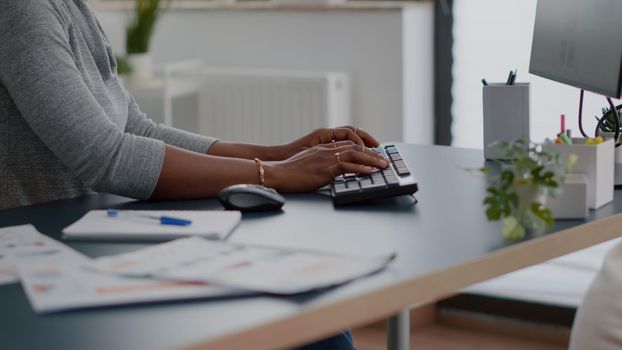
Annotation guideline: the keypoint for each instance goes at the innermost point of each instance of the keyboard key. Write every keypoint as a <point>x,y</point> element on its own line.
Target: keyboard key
<point>395,157</point>
<point>403,171</point>
<point>366,182</point>
<point>377,177</point>
<point>344,190</point>
<point>352,184</point>
<point>399,164</point>
<point>392,181</point>
<point>369,185</point>
<point>340,186</point>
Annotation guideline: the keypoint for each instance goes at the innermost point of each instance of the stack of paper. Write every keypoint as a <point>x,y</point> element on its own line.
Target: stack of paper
<point>57,278</point>
<point>258,268</point>
<point>24,244</point>
<point>60,287</point>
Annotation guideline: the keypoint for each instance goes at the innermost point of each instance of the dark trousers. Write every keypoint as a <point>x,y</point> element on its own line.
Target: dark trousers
<point>342,341</point>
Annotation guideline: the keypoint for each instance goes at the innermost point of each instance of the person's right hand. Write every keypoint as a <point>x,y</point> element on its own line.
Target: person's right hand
<point>315,167</point>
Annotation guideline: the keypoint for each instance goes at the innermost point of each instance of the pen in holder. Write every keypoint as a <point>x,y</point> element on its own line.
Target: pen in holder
<point>506,115</point>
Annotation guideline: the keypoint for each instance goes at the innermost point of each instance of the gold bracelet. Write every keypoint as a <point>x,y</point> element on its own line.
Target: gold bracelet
<point>262,174</point>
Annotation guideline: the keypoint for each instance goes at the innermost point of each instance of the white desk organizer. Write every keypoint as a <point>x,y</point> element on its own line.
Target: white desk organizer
<point>617,177</point>
<point>596,162</point>
<point>573,203</point>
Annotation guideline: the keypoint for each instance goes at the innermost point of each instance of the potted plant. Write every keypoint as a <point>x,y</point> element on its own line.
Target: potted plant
<point>518,188</point>
<point>138,38</point>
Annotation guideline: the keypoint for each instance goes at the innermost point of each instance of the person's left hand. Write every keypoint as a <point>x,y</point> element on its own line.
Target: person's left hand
<point>343,134</point>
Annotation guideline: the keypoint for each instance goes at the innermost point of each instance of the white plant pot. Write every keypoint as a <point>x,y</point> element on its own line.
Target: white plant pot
<point>142,67</point>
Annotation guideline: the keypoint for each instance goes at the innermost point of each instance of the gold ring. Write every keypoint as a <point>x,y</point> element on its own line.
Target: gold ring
<point>331,172</point>
<point>338,155</point>
<point>334,135</point>
<point>334,144</point>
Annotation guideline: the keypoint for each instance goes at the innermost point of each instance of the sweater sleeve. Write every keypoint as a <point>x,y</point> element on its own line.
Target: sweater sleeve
<point>37,68</point>
<point>138,123</point>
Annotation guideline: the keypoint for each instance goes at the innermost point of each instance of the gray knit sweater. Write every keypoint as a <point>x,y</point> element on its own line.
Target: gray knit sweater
<point>67,127</point>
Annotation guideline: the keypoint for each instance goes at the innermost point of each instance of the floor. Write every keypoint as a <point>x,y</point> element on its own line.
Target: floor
<point>444,337</point>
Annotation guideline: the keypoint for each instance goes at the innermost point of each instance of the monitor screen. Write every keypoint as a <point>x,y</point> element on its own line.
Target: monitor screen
<point>579,43</point>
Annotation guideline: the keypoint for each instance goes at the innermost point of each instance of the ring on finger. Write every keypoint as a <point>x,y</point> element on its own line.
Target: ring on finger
<point>334,144</point>
<point>338,155</point>
<point>334,134</point>
<point>331,172</point>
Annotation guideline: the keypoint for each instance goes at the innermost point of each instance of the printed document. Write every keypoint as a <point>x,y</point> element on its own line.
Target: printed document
<point>25,245</point>
<point>258,268</point>
<point>63,286</point>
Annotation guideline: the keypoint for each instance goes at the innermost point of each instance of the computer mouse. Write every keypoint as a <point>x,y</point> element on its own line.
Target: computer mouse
<point>250,198</point>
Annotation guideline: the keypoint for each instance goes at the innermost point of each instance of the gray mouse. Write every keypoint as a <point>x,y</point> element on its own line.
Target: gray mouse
<point>250,198</point>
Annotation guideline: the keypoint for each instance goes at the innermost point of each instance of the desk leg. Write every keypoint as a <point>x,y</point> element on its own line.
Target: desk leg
<point>398,331</point>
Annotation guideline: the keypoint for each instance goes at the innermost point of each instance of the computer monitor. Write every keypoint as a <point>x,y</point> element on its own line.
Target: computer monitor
<point>579,43</point>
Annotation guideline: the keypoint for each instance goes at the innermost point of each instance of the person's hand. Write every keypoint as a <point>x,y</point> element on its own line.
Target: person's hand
<point>349,133</point>
<point>315,167</point>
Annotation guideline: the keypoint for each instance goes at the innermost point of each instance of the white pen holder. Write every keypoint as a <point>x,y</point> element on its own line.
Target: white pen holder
<point>596,162</point>
<point>506,115</point>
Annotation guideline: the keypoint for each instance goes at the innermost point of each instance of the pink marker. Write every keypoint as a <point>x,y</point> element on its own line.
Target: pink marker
<point>563,124</point>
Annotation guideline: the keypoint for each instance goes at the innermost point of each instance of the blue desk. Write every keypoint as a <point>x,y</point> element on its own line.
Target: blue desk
<point>444,243</point>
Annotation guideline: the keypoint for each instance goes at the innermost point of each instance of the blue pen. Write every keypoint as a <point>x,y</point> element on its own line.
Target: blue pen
<point>164,220</point>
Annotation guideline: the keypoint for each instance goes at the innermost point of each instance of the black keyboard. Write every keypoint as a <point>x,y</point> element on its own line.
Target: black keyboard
<point>396,180</point>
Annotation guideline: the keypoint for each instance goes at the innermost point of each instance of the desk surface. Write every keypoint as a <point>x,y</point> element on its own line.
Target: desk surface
<point>444,243</point>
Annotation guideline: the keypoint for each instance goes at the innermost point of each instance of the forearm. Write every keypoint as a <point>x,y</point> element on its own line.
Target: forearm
<point>189,175</point>
<point>338,136</point>
<point>248,151</point>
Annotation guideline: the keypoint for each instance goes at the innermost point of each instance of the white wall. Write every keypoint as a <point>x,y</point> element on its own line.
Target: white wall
<point>492,37</point>
<point>367,44</point>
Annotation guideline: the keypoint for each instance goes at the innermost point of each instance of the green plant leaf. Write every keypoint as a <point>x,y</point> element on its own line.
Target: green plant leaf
<point>512,229</point>
<point>543,214</point>
<point>532,167</point>
<point>142,25</point>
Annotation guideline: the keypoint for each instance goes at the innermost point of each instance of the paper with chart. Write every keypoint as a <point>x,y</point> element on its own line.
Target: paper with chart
<point>258,268</point>
<point>24,244</point>
<point>65,286</point>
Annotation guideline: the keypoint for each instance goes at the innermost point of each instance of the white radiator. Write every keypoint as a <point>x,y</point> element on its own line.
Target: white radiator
<point>270,106</point>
